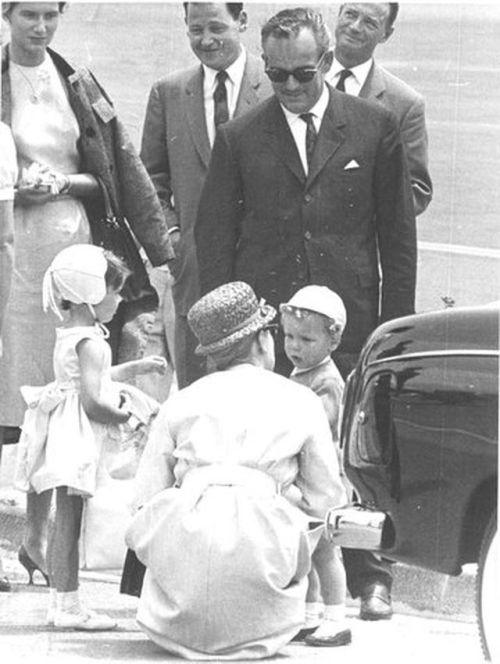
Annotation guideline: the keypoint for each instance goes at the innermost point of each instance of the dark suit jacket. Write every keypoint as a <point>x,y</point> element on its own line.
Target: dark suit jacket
<point>176,152</point>
<point>262,221</point>
<point>408,106</point>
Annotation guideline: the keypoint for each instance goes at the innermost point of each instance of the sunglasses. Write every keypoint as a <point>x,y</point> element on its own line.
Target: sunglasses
<point>300,74</point>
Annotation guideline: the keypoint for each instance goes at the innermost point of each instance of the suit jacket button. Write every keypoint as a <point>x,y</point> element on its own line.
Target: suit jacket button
<point>307,198</point>
<point>308,235</point>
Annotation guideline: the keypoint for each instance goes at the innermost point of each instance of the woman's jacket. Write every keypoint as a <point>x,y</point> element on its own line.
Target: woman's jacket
<point>107,153</point>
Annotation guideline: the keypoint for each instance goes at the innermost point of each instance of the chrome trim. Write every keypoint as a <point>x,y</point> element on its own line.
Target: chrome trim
<point>436,353</point>
<point>355,527</point>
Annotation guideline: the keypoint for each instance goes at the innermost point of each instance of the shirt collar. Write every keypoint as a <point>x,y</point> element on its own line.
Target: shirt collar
<point>360,72</point>
<point>296,372</point>
<point>318,110</point>
<point>234,72</point>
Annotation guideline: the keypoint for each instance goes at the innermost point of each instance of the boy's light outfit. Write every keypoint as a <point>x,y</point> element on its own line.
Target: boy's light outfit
<point>325,381</point>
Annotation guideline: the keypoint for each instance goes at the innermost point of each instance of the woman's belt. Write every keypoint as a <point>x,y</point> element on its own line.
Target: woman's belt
<point>227,475</point>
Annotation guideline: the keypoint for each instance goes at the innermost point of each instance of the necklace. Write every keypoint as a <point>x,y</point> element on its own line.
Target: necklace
<point>35,94</point>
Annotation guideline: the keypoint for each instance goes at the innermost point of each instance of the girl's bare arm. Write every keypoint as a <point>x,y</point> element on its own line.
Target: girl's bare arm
<point>97,407</point>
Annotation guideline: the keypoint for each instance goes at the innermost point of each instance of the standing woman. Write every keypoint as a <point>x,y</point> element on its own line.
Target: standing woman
<point>8,174</point>
<point>71,148</point>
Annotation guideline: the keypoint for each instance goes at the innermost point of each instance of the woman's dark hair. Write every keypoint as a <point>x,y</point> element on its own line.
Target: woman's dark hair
<point>7,7</point>
<point>234,8</point>
<point>117,272</point>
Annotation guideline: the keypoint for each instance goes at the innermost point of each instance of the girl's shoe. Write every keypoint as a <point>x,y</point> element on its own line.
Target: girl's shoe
<point>30,566</point>
<point>85,620</point>
<point>330,634</point>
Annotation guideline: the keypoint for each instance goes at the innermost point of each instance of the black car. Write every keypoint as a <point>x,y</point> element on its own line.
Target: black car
<point>420,445</point>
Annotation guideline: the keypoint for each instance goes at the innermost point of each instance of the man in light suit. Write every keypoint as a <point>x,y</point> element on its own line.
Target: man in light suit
<point>283,208</point>
<point>360,28</point>
<point>183,112</point>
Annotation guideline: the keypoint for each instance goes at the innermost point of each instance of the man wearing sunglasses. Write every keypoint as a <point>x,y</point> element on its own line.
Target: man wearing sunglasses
<point>311,187</point>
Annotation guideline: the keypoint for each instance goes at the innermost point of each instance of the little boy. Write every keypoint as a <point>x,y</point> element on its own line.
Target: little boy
<point>313,322</point>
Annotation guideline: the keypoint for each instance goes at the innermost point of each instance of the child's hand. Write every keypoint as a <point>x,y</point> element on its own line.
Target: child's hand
<point>152,364</point>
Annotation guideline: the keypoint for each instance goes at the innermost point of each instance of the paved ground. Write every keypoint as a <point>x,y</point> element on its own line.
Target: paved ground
<point>434,613</point>
<point>409,638</point>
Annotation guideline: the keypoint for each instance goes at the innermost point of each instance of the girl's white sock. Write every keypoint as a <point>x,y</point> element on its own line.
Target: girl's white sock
<point>313,613</point>
<point>334,612</point>
<point>68,602</point>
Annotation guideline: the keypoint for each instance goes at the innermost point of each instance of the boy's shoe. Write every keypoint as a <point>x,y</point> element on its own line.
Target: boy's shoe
<point>85,620</point>
<point>330,634</point>
<point>302,633</point>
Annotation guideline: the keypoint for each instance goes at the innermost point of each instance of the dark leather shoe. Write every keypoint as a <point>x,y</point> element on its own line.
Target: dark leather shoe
<point>302,633</point>
<point>4,585</point>
<point>376,603</point>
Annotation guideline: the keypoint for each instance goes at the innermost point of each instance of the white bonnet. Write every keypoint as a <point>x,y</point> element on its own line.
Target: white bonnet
<point>320,300</point>
<point>76,274</point>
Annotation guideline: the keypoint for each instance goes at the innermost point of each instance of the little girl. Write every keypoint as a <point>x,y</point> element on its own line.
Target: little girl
<point>70,420</point>
<point>313,322</point>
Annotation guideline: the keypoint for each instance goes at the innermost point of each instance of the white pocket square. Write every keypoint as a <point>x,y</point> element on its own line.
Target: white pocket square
<point>352,164</point>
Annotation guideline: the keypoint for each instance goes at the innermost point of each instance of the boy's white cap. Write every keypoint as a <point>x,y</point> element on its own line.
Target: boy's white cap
<point>76,274</point>
<point>321,300</point>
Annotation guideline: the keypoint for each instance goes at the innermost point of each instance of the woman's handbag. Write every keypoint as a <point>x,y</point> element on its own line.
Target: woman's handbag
<point>113,232</point>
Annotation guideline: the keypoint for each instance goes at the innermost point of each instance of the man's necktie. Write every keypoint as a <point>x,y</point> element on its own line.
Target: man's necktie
<point>221,110</point>
<point>311,135</point>
<point>345,73</point>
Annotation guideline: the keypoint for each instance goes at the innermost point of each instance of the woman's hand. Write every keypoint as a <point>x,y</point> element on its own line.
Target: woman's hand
<point>39,184</point>
<point>33,194</point>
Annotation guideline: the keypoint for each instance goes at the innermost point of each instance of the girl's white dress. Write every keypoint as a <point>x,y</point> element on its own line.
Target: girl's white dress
<point>59,445</point>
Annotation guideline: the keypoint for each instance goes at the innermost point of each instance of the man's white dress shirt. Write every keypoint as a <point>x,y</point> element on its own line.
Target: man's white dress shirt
<point>233,85</point>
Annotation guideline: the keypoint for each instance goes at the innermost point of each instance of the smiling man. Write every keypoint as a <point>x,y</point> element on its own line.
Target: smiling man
<point>183,113</point>
<point>310,187</point>
<point>360,28</point>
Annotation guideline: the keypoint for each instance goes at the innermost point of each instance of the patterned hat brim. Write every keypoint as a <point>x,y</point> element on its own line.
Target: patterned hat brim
<point>268,314</point>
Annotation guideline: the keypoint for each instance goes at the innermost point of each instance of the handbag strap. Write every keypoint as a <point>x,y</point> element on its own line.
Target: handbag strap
<point>108,209</point>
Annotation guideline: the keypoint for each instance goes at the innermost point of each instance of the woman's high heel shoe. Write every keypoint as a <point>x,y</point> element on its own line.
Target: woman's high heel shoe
<point>4,585</point>
<point>30,566</point>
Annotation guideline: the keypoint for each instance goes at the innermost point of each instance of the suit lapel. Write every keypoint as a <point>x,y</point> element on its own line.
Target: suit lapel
<point>374,86</point>
<point>279,138</point>
<point>330,136</point>
<point>252,84</point>
<point>195,113</point>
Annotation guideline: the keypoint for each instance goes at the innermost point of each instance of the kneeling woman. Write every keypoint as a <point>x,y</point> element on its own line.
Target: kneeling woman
<point>227,554</point>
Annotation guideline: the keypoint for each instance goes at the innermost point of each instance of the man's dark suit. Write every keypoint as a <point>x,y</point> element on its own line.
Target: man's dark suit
<point>263,221</point>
